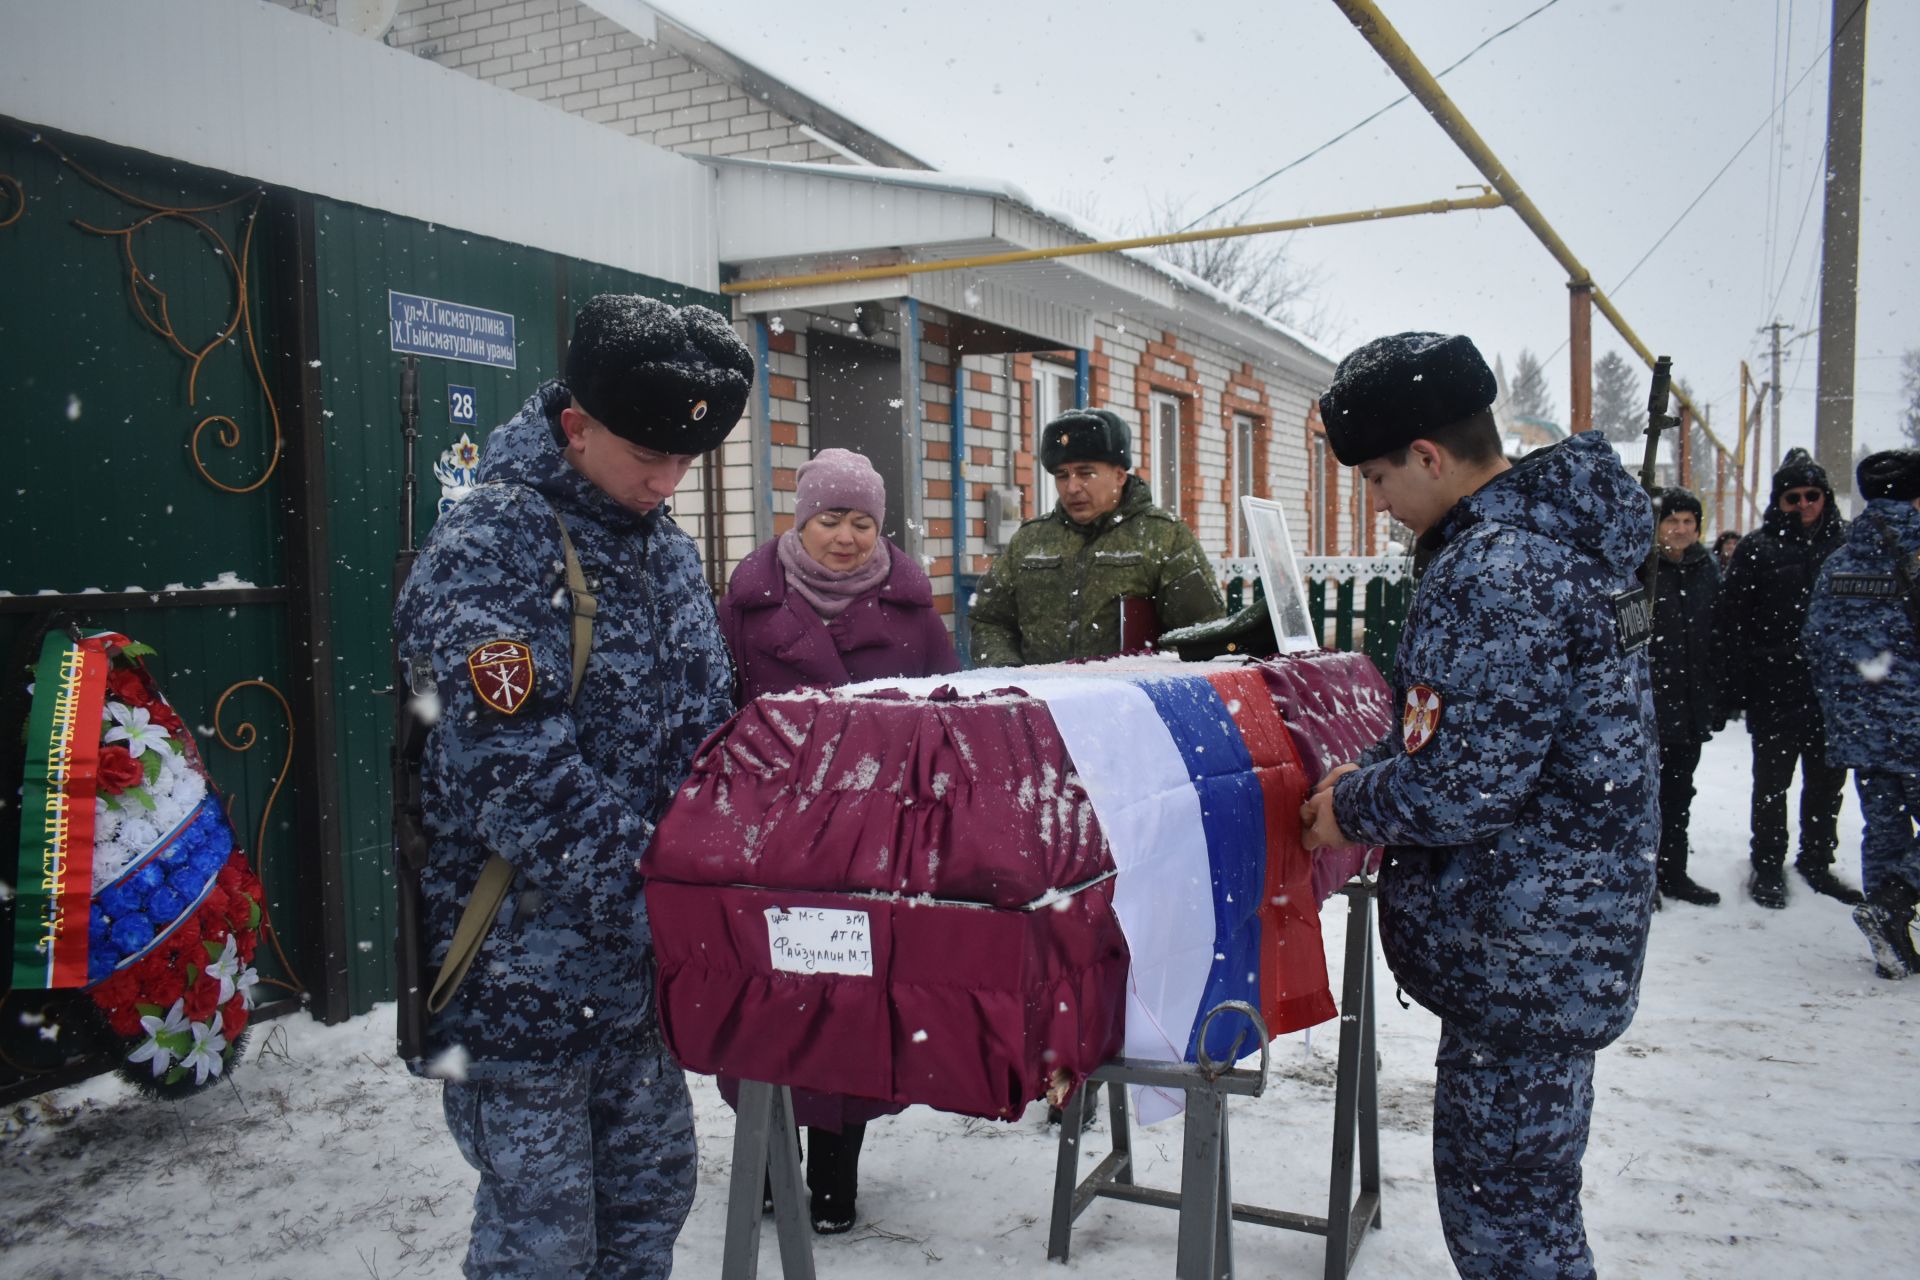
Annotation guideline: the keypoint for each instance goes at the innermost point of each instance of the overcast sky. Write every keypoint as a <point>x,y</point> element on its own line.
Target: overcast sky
<point>1612,114</point>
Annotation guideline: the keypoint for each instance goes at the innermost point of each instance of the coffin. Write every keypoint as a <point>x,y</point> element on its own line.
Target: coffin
<point>960,892</point>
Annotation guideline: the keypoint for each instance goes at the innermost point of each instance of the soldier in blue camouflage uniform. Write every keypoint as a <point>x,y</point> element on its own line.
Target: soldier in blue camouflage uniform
<point>1863,642</point>
<point>559,1089</point>
<point>1518,802</point>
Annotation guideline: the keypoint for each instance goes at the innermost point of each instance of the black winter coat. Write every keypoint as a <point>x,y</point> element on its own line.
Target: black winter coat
<point>1686,688</point>
<point>1763,604</point>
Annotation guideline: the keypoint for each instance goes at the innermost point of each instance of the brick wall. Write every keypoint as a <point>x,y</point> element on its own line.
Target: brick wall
<point>563,53</point>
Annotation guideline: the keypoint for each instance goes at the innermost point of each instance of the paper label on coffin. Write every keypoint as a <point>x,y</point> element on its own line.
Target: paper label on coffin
<point>809,940</point>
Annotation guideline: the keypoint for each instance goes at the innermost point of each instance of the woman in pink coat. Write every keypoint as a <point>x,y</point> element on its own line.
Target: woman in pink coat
<point>832,602</point>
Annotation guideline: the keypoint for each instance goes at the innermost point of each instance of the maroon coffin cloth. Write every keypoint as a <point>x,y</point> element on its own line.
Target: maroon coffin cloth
<point>941,818</point>
<point>972,799</point>
<point>1336,705</point>
<point>968,1009</point>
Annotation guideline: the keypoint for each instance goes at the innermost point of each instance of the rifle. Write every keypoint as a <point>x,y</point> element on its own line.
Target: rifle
<point>1658,420</point>
<point>409,741</point>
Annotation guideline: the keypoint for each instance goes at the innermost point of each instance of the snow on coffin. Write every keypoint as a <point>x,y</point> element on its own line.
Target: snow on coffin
<point>952,892</point>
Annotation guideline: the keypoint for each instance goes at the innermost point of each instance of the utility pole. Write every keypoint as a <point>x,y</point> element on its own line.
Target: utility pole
<point>1840,249</point>
<point>1775,329</point>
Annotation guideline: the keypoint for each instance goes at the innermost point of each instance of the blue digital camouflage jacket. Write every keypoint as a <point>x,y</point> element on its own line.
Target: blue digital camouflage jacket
<point>1860,644</point>
<point>567,794</point>
<point>1522,826</point>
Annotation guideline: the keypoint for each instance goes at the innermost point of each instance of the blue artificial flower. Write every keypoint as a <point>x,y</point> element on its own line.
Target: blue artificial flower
<point>122,899</point>
<point>132,932</point>
<point>165,903</point>
<point>146,879</point>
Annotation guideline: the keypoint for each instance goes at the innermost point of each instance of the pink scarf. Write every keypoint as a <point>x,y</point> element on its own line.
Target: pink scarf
<point>830,591</point>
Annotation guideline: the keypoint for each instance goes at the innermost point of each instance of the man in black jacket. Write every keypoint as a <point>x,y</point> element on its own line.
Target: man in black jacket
<point>1762,607</point>
<point>1686,696</point>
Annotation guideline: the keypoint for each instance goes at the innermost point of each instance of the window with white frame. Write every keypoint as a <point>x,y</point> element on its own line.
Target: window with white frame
<point>1166,451</point>
<point>1242,481</point>
<point>1055,390</point>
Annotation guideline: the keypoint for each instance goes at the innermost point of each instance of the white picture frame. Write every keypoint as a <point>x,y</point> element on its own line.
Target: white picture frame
<point>1280,574</point>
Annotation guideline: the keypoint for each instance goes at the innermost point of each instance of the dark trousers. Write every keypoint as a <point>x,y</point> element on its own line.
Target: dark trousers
<point>1776,747</point>
<point>1678,760</point>
<point>1890,848</point>
<point>833,1170</point>
<point>1509,1133</point>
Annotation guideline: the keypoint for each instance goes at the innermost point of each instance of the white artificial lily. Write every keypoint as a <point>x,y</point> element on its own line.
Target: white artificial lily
<point>208,1045</point>
<point>249,979</point>
<point>135,727</point>
<point>226,967</point>
<point>165,1037</point>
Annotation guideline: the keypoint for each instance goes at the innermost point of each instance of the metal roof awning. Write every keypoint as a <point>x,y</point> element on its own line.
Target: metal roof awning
<point>778,220</point>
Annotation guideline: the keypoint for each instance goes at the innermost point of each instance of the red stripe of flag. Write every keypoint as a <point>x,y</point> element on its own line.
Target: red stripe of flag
<point>1293,966</point>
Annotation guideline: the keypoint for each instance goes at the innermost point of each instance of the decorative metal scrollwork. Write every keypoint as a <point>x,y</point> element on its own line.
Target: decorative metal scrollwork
<point>245,736</point>
<point>13,200</point>
<point>150,301</point>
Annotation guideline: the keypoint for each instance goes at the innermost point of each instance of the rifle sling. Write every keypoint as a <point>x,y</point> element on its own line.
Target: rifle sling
<point>496,878</point>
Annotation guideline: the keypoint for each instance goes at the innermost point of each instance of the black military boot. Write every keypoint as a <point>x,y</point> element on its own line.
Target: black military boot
<point>833,1177</point>
<point>1684,888</point>
<point>1768,887</point>
<point>1888,923</point>
<point>1820,879</point>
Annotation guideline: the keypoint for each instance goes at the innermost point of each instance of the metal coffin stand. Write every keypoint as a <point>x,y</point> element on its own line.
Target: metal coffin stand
<point>764,1138</point>
<point>1205,1199</point>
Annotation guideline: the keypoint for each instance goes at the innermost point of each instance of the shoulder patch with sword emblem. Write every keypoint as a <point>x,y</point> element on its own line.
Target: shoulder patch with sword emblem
<point>502,672</point>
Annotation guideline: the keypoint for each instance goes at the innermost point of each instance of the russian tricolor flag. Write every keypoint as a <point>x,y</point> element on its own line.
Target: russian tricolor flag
<point>1198,788</point>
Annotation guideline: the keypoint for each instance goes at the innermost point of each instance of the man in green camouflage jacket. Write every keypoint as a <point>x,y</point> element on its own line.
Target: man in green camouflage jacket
<point>1055,592</point>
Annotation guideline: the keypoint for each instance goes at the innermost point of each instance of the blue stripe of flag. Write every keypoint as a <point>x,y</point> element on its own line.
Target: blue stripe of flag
<point>1234,817</point>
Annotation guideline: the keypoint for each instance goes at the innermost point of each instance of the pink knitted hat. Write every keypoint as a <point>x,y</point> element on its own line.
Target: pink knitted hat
<point>837,478</point>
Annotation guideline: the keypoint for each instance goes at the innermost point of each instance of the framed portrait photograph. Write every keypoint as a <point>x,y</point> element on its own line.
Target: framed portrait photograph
<point>1280,574</point>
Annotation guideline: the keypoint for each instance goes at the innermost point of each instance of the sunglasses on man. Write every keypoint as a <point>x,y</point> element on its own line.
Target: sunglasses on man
<point>1801,497</point>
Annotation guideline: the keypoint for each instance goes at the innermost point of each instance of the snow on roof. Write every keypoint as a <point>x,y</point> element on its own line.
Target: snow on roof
<point>1000,189</point>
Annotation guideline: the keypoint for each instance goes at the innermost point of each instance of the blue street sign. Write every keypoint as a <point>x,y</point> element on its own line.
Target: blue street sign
<point>450,330</point>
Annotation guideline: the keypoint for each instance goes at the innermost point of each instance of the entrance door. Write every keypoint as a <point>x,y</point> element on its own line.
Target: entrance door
<point>856,405</point>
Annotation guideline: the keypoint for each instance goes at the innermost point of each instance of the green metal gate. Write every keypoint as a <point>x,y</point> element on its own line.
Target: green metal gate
<point>204,453</point>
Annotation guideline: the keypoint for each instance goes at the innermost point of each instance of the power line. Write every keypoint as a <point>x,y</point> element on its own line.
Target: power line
<point>1246,191</point>
<point>1786,267</point>
<point>1758,129</point>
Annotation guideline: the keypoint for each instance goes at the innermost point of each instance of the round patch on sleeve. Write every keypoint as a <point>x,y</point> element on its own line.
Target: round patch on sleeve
<point>502,672</point>
<point>1420,719</point>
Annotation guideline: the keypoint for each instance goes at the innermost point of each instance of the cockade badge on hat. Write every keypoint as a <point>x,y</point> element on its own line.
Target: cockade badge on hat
<point>502,672</point>
<point>1420,718</point>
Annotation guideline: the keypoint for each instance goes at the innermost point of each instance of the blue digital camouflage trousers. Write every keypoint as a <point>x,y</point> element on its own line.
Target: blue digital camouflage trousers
<point>587,1168</point>
<point>1509,1132</point>
<point>1890,847</point>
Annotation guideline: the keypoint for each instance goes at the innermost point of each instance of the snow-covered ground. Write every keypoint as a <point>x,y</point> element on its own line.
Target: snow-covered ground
<point>1760,1119</point>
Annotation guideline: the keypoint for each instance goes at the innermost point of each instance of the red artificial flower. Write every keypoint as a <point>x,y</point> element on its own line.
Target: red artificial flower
<point>185,942</point>
<point>203,997</point>
<point>167,985</point>
<point>124,1019</point>
<point>230,874</point>
<point>127,685</point>
<point>247,940</point>
<point>118,770</point>
<point>233,1018</point>
<point>167,718</point>
<point>115,991</point>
